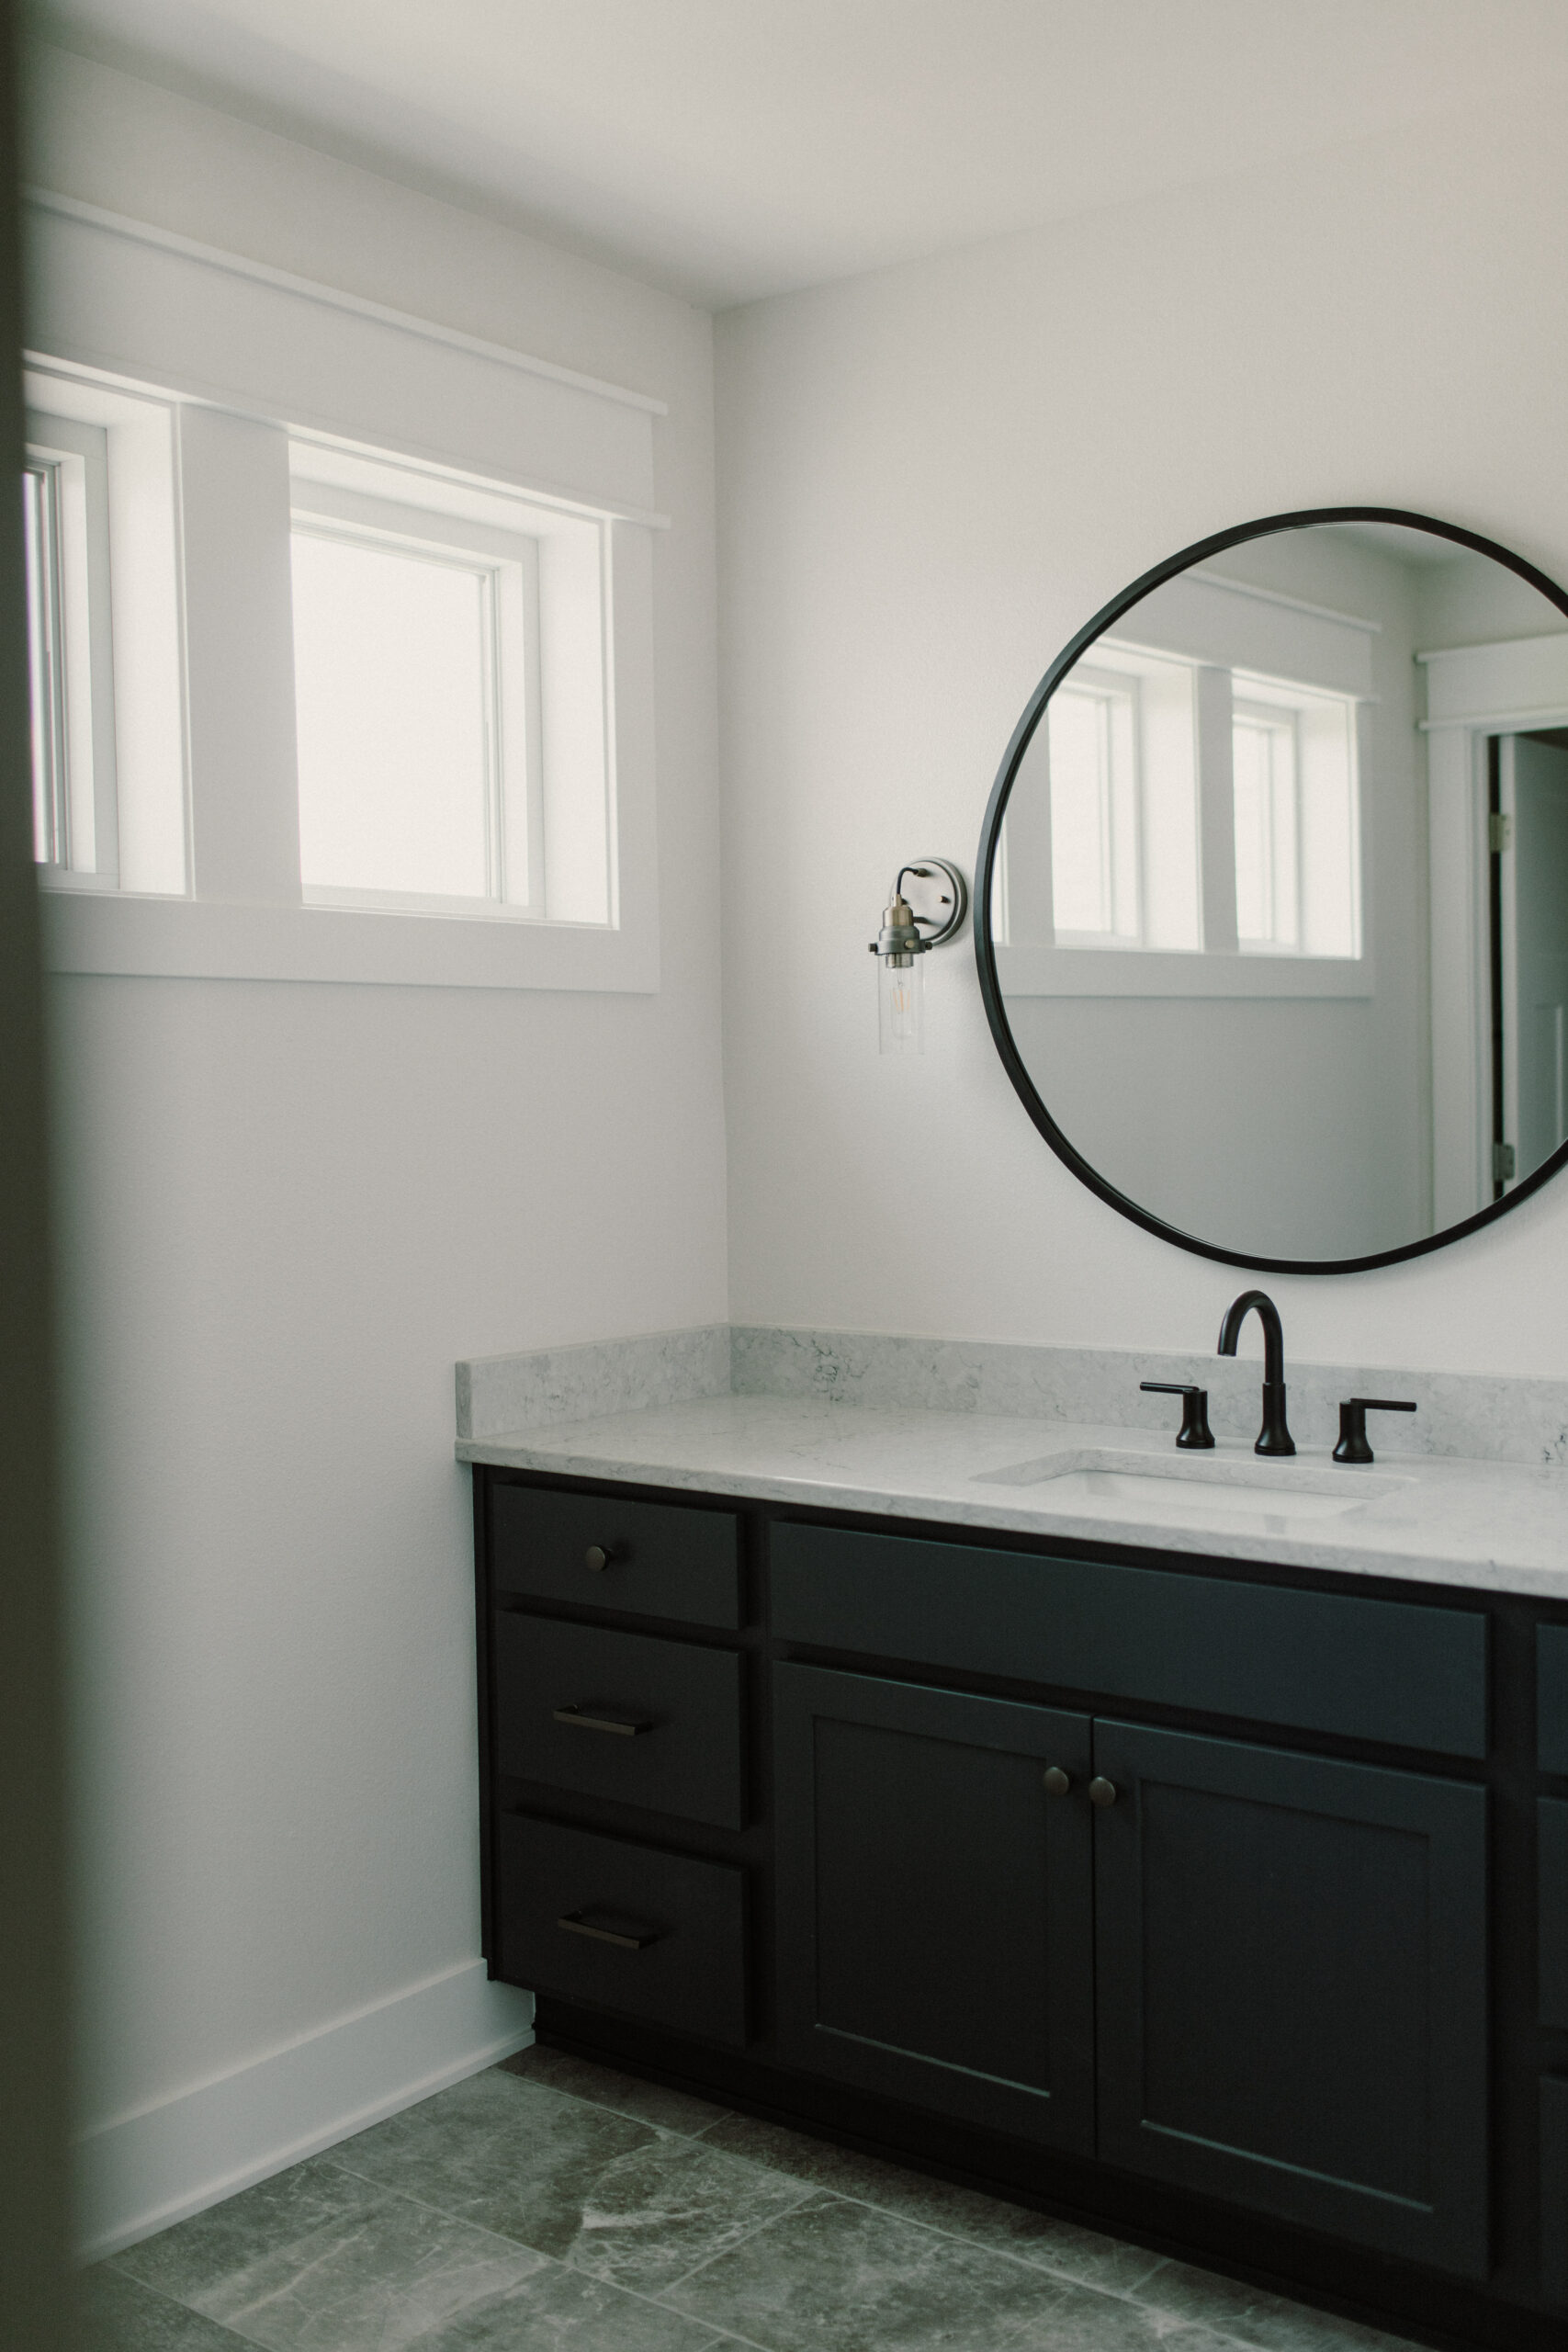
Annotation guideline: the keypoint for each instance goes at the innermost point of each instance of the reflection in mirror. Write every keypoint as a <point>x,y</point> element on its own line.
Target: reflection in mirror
<point>1280,903</point>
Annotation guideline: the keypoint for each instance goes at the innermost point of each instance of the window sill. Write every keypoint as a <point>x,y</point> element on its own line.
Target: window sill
<point>197,939</point>
<point>1108,971</point>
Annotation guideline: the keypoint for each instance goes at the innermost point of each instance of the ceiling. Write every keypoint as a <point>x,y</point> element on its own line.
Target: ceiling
<point>731,149</point>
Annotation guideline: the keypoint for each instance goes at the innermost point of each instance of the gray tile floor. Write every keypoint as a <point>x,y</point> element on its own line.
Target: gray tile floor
<point>550,2206</point>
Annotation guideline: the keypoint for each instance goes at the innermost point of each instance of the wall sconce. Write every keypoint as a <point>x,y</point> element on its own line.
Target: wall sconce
<point>911,927</point>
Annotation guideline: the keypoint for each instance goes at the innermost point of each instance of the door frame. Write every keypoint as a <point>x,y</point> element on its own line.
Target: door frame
<point>1473,692</point>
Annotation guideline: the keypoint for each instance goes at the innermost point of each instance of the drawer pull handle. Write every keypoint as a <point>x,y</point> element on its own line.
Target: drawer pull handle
<point>576,1925</point>
<point>623,1726</point>
<point>1101,1792</point>
<point>1057,1782</point>
<point>598,1555</point>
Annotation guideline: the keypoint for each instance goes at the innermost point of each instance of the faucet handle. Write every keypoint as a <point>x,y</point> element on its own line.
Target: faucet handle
<point>1352,1445</point>
<point>1194,1432</point>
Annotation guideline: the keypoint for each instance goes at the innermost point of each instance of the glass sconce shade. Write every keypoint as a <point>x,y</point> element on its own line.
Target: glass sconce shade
<point>901,1005</point>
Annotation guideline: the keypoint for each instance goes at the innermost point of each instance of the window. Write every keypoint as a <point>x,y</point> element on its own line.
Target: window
<point>415,678</point>
<point>342,684</point>
<point>494,827</point>
<point>1094,818</point>
<point>1180,818</point>
<point>69,663</point>
<point>1263,767</point>
<point>452,719</point>
<point>46,662</point>
<point>1297,813</point>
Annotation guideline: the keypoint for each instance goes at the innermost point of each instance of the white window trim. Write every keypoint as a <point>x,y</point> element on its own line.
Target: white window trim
<point>122,306</point>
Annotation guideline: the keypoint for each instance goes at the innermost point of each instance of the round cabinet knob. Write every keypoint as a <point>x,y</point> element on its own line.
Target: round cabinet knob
<point>1101,1792</point>
<point>598,1555</point>
<point>1057,1782</point>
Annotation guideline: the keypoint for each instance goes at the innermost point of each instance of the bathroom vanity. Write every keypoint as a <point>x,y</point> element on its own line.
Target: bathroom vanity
<point>1180,1844</point>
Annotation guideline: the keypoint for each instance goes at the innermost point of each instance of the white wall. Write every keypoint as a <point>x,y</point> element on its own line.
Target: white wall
<point>929,477</point>
<point>288,1209</point>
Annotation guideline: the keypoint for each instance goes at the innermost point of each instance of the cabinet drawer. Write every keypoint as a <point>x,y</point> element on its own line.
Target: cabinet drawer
<point>680,1752</point>
<point>661,1561</point>
<point>1551,1698</point>
<point>681,1958</point>
<point>1383,1670</point>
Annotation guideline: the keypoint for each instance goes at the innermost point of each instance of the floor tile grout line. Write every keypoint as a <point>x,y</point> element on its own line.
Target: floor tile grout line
<point>717,2337</point>
<point>747,2235</point>
<point>1129,2295</point>
<point>445,2213</point>
<point>579,2270</point>
<point>176,2303</point>
<point>1181,2323</point>
<point>666,2310</point>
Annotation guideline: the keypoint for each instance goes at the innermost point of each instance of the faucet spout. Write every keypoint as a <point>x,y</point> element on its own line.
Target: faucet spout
<point>1274,1437</point>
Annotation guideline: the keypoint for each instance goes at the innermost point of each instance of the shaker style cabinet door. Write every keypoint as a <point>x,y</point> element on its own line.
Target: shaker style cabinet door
<point>935,1900</point>
<point>1292,1979</point>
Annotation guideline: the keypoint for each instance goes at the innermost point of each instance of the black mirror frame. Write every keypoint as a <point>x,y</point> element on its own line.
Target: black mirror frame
<point>985,871</point>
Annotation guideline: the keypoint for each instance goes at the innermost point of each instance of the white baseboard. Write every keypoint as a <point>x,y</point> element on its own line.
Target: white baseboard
<point>144,2171</point>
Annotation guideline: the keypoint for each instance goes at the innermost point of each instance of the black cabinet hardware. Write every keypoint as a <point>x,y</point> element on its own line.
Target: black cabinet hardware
<point>1352,1445</point>
<point>1194,1432</point>
<point>623,1726</point>
<point>1057,1782</point>
<point>576,1925</point>
<point>1101,1792</point>
<point>598,1556</point>
<point>1274,1437</point>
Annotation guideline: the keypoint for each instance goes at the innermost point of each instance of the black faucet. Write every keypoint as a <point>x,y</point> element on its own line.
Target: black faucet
<point>1274,1437</point>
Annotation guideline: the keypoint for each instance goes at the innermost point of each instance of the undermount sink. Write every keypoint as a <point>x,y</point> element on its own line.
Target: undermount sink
<point>1100,1480</point>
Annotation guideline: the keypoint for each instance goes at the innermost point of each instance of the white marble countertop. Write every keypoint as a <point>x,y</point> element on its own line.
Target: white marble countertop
<point>1490,1525</point>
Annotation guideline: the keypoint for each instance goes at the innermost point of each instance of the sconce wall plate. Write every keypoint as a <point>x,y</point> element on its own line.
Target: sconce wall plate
<point>941,904</point>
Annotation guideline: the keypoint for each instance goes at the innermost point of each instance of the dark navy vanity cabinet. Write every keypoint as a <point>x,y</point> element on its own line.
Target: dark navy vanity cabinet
<point>1223,1905</point>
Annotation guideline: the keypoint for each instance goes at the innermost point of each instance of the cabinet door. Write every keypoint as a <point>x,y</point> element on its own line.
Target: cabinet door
<point>1292,1979</point>
<point>935,1900</point>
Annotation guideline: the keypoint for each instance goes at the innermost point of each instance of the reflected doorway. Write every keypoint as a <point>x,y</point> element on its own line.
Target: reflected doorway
<point>1528,777</point>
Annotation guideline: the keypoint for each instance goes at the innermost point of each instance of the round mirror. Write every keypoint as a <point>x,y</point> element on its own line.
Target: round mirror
<point>1272,915</point>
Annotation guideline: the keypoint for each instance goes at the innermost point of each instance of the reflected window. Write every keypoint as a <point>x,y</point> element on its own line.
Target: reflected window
<point>1094,818</point>
<point>1263,769</point>
<point>1296,804</point>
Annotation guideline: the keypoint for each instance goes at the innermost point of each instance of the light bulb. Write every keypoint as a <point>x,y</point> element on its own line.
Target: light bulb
<point>901,1005</point>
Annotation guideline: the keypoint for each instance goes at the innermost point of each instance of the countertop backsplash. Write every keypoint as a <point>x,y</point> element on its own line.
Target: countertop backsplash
<point>1477,1416</point>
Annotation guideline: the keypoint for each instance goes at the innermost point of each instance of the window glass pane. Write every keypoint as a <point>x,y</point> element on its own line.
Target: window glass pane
<point>1267,890</point>
<point>1080,812</point>
<point>45,679</point>
<point>392,688</point>
<point>1254,833</point>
